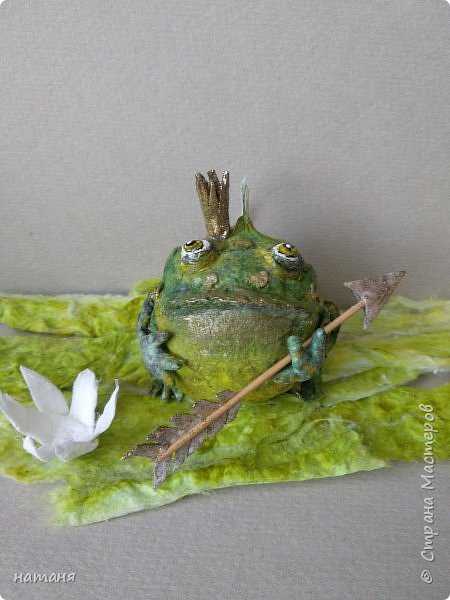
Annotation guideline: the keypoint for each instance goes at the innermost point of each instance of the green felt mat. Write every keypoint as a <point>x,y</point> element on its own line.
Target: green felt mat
<point>367,418</point>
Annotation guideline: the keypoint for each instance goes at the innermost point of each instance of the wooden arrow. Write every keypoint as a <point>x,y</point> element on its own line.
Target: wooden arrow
<point>190,430</point>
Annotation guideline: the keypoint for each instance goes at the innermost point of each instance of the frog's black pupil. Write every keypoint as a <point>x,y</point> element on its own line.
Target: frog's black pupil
<point>191,243</point>
<point>288,246</point>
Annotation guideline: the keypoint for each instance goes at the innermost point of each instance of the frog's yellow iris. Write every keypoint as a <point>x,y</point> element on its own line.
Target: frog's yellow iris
<point>192,251</point>
<point>288,250</point>
<point>193,245</point>
<point>286,254</point>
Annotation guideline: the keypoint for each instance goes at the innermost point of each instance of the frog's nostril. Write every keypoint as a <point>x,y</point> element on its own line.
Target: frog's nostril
<point>260,279</point>
<point>210,281</point>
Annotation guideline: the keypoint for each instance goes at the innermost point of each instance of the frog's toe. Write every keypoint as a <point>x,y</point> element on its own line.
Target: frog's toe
<point>317,348</point>
<point>169,363</point>
<point>305,362</point>
<point>169,391</point>
<point>286,377</point>
<point>157,338</point>
<point>294,344</point>
<point>156,387</point>
<point>290,375</point>
<point>158,361</point>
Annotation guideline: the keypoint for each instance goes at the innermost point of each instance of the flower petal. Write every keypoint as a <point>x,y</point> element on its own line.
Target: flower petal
<point>68,450</point>
<point>28,421</point>
<point>107,416</point>
<point>44,453</point>
<point>46,396</point>
<point>84,398</point>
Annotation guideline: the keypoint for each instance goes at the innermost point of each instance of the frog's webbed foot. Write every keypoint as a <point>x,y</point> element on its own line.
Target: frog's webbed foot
<point>306,362</point>
<point>156,359</point>
<point>167,391</point>
<point>160,364</point>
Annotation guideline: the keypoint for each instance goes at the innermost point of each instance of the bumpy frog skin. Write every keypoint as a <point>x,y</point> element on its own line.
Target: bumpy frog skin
<point>230,306</point>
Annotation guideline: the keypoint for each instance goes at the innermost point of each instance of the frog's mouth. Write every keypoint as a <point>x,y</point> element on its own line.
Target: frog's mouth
<point>222,300</point>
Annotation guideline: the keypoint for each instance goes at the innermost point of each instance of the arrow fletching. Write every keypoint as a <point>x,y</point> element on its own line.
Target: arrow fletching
<point>163,437</point>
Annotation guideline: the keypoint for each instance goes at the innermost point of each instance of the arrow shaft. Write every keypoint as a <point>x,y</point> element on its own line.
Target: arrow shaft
<point>249,388</point>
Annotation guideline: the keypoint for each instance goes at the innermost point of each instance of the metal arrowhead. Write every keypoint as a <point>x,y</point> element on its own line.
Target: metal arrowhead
<point>375,291</point>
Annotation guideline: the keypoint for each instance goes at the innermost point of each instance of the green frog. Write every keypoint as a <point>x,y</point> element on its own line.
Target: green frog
<point>231,305</point>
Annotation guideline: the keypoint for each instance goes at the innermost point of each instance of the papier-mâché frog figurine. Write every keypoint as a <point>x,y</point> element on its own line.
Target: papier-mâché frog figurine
<point>229,306</point>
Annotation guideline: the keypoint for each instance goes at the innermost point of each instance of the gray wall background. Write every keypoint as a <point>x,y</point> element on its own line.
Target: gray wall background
<point>337,111</point>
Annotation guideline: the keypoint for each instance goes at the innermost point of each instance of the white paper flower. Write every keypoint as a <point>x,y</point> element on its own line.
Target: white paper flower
<point>61,433</point>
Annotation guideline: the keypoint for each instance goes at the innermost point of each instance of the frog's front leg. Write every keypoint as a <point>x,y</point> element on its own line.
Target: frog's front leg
<point>305,362</point>
<point>158,362</point>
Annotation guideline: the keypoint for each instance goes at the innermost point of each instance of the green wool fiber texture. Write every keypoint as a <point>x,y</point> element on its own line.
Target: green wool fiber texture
<point>367,417</point>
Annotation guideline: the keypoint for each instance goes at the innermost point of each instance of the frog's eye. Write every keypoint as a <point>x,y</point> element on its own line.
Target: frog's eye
<point>287,255</point>
<point>192,251</point>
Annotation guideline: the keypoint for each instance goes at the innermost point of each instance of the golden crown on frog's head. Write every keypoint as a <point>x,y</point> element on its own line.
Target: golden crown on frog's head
<point>214,200</point>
